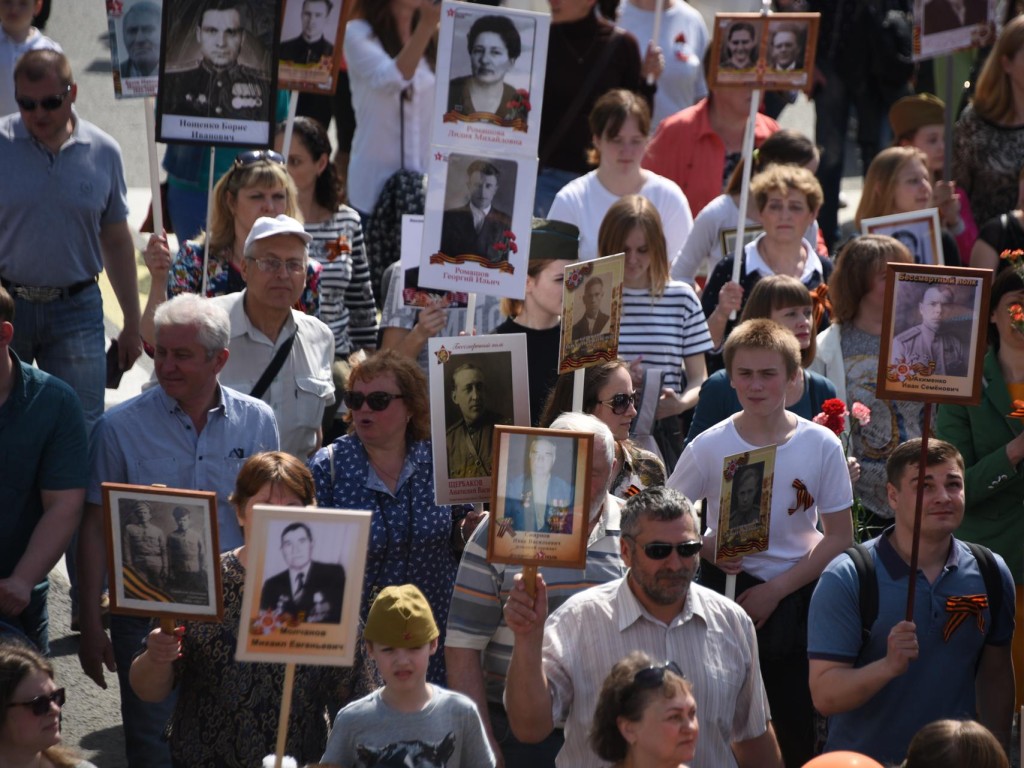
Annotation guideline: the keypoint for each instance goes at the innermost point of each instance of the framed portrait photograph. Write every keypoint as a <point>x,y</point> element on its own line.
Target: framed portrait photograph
<point>591,312</point>
<point>945,26</point>
<point>472,392</point>
<point>218,73</point>
<point>918,230</point>
<point>413,294</point>
<point>163,558</point>
<point>933,333</point>
<point>303,584</point>
<point>309,53</point>
<point>728,237</point>
<point>774,52</point>
<point>134,33</point>
<point>476,234</point>
<point>745,512</point>
<point>490,78</point>
<point>540,504</point>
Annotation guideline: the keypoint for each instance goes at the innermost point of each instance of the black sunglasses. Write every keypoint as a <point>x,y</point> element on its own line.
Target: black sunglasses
<point>40,705</point>
<point>659,550</point>
<point>50,103</point>
<point>258,156</point>
<point>654,676</point>
<point>377,401</point>
<point>620,403</point>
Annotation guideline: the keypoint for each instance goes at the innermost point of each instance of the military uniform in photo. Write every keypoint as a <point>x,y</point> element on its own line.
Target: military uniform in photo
<point>298,51</point>
<point>919,345</point>
<point>469,448</point>
<point>236,92</point>
<point>184,552</point>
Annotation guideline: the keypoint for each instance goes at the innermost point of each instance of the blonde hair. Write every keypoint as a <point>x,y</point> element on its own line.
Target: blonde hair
<point>636,212</point>
<point>993,93</point>
<point>264,173</point>
<point>783,178</point>
<point>763,334</point>
<point>879,198</point>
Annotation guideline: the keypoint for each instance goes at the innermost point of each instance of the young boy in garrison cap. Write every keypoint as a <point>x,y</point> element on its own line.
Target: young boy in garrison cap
<point>408,721</point>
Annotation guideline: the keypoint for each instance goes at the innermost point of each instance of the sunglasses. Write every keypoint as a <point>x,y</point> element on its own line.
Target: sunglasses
<point>659,550</point>
<point>258,156</point>
<point>620,403</point>
<point>377,401</point>
<point>40,705</point>
<point>654,676</point>
<point>50,103</point>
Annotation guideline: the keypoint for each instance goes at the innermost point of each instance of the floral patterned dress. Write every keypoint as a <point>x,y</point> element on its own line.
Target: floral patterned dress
<point>227,711</point>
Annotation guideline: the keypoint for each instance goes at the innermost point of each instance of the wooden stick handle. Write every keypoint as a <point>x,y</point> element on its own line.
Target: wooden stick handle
<point>530,579</point>
<point>286,711</point>
<point>922,468</point>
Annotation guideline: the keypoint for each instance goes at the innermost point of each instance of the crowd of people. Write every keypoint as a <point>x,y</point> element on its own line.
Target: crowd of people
<point>289,371</point>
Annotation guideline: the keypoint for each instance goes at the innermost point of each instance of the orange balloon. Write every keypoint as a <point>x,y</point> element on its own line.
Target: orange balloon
<point>843,760</point>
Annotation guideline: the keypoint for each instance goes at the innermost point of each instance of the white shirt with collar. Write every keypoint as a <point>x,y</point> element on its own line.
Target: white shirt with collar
<point>754,261</point>
<point>302,388</point>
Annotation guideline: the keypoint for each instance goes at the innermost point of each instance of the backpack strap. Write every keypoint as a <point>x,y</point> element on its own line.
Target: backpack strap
<point>993,579</point>
<point>868,592</point>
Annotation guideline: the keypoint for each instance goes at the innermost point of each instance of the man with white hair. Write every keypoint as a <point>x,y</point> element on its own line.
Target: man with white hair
<point>477,636</point>
<point>279,354</point>
<point>188,432</point>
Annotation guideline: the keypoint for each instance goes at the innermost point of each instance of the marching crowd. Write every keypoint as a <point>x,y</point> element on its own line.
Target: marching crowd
<point>288,370</point>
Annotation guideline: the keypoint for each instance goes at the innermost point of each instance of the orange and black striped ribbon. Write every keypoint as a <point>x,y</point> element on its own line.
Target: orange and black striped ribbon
<point>804,500</point>
<point>959,608</point>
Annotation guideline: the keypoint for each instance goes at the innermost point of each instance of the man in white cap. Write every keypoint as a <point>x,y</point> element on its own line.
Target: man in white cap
<point>279,354</point>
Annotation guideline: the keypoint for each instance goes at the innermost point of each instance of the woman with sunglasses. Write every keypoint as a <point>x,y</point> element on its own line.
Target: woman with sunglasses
<point>30,711</point>
<point>257,185</point>
<point>787,301</point>
<point>663,326</point>
<point>227,711</point>
<point>385,465</point>
<point>646,716</point>
<point>608,394</point>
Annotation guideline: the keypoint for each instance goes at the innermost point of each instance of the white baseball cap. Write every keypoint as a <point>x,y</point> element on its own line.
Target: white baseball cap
<point>279,225</point>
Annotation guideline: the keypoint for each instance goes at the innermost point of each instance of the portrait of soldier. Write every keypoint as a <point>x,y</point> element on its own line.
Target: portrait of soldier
<point>470,439</point>
<point>185,554</point>
<point>308,589</point>
<point>594,320</point>
<point>477,227</point>
<point>930,341</point>
<point>311,46</point>
<point>740,48</point>
<point>144,546</point>
<point>745,504</point>
<point>140,31</point>
<point>218,85</point>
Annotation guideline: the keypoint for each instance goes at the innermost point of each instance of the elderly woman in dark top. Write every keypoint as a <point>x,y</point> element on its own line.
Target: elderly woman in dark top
<point>494,45</point>
<point>385,465</point>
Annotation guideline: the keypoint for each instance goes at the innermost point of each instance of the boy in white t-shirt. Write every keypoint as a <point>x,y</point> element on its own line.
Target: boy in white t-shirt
<point>408,721</point>
<point>811,481</point>
<point>17,36</point>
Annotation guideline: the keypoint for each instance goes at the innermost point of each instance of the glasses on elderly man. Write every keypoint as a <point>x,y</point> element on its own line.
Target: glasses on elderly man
<point>50,103</point>
<point>273,266</point>
<point>259,156</point>
<point>659,550</point>
<point>40,705</point>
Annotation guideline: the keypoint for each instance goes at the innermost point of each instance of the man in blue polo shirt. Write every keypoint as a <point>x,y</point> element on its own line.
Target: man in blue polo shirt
<point>189,432</point>
<point>42,482</point>
<point>878,694</point>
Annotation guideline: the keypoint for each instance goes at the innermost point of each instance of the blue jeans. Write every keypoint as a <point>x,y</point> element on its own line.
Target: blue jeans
<point>518,754</point>
<point>187,209</point>
<point>33,622</point>
<point>549,181</point>
<point>144,723</point>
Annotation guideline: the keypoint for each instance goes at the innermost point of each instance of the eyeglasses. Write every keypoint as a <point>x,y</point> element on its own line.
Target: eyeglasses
<point>659,550</point>
<point>620,403</point>
<point>258,156</point>
<point>50,103</point>
<point>273,266</point>
<point>40,705</point>
<point>377,401</point>
<point>654,676</point>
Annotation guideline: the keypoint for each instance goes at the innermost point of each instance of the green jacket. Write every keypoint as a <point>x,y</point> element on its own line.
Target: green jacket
<point>995,488</point>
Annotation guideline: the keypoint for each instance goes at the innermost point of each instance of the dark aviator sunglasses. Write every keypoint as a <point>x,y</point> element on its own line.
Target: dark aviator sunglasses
<point>377,401</point>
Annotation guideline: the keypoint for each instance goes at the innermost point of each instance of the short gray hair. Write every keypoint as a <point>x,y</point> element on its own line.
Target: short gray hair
<point>188,309</point>
<point>584,422</point>
<point>662,504</point>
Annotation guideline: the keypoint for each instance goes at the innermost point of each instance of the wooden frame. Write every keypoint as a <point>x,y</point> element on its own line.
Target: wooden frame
<point>320,76</point>
<point>513,536</point>
<point>743,474</point>
<point>167,565</point>
<point>308,627</point>
<point>757,63</point>
<point>922,323</point>
<point>919,231</point>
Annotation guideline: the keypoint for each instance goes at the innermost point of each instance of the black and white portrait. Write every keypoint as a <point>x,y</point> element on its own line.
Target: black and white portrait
<point>479,205</point>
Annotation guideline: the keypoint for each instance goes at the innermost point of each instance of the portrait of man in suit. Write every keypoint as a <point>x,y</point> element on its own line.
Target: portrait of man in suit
<point>944,15</point>
<point>540,500</point>
<point>478,226</point>
<point>785,50</point>
<point>312,45</point>
<point>308,589</point>
<point>594,320</point>
<point>140,30</point>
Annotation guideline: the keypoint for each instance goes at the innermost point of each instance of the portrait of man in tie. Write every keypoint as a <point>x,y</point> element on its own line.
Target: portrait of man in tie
<point>594,318</point>
<point>475,224</point>
<point>307,589</point>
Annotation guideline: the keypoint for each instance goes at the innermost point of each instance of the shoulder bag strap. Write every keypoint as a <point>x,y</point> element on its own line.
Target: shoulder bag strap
<point>273,368</point>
